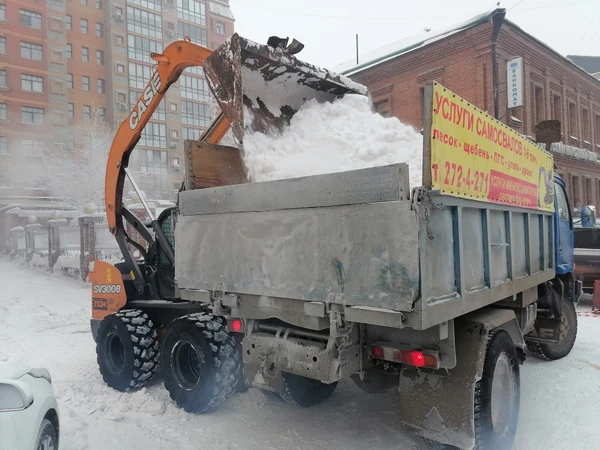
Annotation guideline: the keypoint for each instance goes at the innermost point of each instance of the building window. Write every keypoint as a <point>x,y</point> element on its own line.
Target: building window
<point>173,107</point>
<point>585,119</point>
<point>383,107</point>
<point>196,34</point>
<point>2,111</point>
<point>589,198</point>
<point>2,45</point>
<point>83,26</point>
<point>83,2</point>
<point>597,131</point>
<point>538,103</point>
<point>2,11</point>
<point>99,29</point>
<point>139,48</point>
<point>71,111</point>
<point>119,40</point>
<point>31,83</point>
<point>102,113</point>
<point>56,56</point>
<point>68,22</point>
<point>3,145</point>
<point>85,83</point>
<point>220,28</point>
<point>139,75</point>
<point>32,116</point>
<point>3,80</point>
<point>56,24</point>
<point>576,191</point>
<point>57,87</point>
<point>33,148</point>
<point>70,80</point>
<point>174,133</point>
<point>121,97</point>
<point>195,113</point>
<point>99,4</point>
<point>31,51</point>
<point>87,112</point>
<point>120,68</point>
<point>154,135</point>
<point>153,161</point>
<point>156,5</point>
<point>557,107</point>
<point>192,134</point>
<point>85,54</point>
<point>144,22</point>
<point>30,19</point>
<point>101,86</point>
<point>100,57</point>
<point>573,121</point>
<point>194,88</point>
<point>192,10</point>
<point>69,51</point>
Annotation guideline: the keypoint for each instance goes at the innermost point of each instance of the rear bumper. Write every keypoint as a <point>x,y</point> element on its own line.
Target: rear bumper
<point>94,325</point>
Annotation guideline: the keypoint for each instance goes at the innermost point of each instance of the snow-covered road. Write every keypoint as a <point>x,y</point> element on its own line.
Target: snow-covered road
<point>44,321</point>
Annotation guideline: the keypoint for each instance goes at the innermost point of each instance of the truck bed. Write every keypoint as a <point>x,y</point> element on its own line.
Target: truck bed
<point>355,239</point>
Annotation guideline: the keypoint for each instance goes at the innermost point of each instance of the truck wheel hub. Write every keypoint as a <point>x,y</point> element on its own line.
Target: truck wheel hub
<point>186,362</point>
<point>115,352</point>
<point>503,395</point>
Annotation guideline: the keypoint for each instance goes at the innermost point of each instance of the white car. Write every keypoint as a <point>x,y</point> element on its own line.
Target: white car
<point>28,409</point>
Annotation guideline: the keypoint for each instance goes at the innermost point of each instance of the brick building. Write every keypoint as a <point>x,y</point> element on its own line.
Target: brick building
<point>66,62</point>
<point>471,60</point>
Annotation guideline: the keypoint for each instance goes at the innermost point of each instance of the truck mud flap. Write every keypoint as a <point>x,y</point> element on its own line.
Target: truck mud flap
<point>439,405</point>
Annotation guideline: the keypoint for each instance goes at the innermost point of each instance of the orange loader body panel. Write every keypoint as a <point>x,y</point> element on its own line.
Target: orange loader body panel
<point>108,290</point>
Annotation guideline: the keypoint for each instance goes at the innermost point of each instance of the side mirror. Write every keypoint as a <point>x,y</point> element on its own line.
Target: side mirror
<point>588,216</point>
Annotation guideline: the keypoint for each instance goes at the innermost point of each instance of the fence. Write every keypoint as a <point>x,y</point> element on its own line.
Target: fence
<point>60,245</point>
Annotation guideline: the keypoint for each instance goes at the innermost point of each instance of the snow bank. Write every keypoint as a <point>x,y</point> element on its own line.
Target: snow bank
<point>333,137</point>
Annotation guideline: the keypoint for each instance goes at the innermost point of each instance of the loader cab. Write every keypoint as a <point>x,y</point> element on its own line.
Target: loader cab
<point>563,228</point>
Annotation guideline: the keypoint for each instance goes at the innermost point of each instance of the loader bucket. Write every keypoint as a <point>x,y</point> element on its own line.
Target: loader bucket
<point>260,87</point>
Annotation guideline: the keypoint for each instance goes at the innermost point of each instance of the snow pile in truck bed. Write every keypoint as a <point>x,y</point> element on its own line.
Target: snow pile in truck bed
<point>334,137</point>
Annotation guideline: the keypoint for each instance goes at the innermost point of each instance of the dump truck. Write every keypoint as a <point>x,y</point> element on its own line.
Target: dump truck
<point>290,286</point>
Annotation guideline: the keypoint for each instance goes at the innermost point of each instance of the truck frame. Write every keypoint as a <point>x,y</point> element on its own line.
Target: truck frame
<point>293,285</point>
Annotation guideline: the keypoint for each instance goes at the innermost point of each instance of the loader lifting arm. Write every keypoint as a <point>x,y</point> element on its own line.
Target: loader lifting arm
<point>170,64</point>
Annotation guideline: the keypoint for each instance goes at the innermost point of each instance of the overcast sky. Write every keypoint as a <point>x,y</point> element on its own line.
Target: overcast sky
<point>328,27</point>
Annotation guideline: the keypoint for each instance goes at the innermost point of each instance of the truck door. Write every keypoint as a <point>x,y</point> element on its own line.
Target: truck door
<point>563,228</point>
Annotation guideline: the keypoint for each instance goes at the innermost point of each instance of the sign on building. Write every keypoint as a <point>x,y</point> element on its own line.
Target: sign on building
<point>514,77</point>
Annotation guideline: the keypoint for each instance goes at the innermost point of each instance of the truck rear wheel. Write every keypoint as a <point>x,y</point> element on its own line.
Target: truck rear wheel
<point>127,349</point>
<point>497,395</point>
<point>201,363</point>
<point>567,335</point>
<point>305,392</point>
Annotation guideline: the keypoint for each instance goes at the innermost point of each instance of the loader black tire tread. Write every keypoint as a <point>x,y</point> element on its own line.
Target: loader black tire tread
<point>499,342</point>
<point>222,362</point>
<point>139,339</point>
<point>305,392</point>
<point>546,351</point>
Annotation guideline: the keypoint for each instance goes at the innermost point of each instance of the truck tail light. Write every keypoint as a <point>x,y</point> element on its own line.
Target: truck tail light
<point>235,325</point>
<point>416,358</point>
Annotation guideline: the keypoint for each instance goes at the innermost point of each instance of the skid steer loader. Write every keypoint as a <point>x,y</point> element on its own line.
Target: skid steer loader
<point>135,303</point>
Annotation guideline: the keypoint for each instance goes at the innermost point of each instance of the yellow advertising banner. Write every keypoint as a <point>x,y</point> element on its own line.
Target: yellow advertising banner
<point>475,156</point>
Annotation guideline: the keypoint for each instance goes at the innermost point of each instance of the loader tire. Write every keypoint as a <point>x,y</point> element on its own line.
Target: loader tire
<point>127,349</point>
<point>568,335</point>
<point>497,395</point>
<point>201,362</point>
<point>305,392</point>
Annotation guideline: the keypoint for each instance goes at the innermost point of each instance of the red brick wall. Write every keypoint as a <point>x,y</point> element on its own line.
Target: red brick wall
<point>463,64</point>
